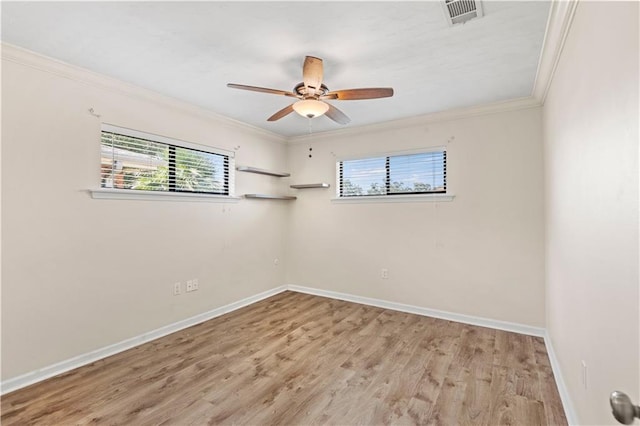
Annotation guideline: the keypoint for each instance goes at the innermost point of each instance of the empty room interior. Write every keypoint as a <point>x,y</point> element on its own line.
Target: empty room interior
<point>314,212</point>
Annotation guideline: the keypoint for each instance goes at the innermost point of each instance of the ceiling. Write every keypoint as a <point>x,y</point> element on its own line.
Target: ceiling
<point>191,50</point>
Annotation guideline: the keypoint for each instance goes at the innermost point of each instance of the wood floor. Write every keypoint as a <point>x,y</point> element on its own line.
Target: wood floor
<point>297,359</point>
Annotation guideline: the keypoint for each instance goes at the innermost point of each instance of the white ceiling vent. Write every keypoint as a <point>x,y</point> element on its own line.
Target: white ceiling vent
<point>461,11</point>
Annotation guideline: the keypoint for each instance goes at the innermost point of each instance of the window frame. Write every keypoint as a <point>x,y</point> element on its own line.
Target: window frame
<point>173,194</point>
<point>391,197</point>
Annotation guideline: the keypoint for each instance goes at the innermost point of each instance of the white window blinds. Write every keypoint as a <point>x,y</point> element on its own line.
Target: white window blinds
<point>142,163</point>
<point>418,173</point>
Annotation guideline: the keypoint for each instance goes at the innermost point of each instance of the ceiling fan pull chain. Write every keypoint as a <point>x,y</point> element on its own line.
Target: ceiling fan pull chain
<point>310,130</point>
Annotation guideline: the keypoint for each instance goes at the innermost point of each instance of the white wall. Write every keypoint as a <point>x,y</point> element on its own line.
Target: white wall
<point>591,196</point>
<point>480,255</point>
<point>78,273</point>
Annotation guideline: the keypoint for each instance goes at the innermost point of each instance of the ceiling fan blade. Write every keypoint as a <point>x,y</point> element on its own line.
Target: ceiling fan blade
<point>356,94</point>
<point>312,72</point>
<point>262,89</point>
<point>336,115</point>
<point>284,111</point>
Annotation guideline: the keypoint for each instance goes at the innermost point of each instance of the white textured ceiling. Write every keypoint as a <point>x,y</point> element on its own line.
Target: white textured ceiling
<point>191,50</point>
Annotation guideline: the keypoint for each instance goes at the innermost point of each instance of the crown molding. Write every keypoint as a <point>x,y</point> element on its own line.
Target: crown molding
<point>59,68</point>
<point>558,26</point>
<point>449,115</point>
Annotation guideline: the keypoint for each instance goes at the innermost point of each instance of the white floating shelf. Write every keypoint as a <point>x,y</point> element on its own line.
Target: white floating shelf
<point>310,185</point>
<point>270,197</point>
<point>261,171</point>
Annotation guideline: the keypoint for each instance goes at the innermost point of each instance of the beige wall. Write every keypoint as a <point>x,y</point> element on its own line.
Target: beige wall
<point>591,191</point>
<point>480,254</point>
<point>78,273</point>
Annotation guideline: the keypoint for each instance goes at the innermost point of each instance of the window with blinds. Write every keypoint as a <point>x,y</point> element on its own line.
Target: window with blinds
<point>139,161</point>
<point>418,173</point>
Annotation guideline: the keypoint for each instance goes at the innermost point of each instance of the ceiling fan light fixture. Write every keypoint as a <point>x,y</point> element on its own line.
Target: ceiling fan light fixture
<point>310,108</point>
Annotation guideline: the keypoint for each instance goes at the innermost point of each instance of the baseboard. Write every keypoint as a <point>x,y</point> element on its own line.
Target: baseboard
<point>467,319</point>
<point>451,316</point>
<point>44,373</point>
<point>567,403</point>
<point>32,377</point>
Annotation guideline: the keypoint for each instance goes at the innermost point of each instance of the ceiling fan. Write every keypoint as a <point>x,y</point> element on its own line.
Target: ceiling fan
<point>311,94</point>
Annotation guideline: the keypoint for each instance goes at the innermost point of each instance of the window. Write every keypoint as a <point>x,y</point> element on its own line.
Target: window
<point>139,161</point>
<point>416,173</point>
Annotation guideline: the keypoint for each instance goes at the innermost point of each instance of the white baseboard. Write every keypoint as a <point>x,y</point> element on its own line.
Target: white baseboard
<point>572,419</point>
<point>467,319</point>
<point>567,403</point>
<point>84,359</point>
<point>32,377</point>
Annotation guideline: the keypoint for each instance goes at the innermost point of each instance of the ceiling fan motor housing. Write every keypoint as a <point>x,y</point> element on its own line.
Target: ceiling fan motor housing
<point>303,91</point>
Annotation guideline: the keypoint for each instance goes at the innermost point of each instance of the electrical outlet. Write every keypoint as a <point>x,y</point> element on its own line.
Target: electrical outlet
<point>189,286</point>
<point>196,284</point>
<point>384,273</point>
<point>584,374</point>
<point>176,289</point>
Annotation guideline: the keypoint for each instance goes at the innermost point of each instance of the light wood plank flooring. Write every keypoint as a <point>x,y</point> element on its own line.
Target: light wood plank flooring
<point>302,359</point>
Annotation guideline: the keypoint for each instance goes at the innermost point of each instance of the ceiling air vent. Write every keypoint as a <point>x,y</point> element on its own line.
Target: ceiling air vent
<point>461,11</point>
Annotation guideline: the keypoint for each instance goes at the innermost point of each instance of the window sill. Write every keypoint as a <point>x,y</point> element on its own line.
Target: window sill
<point>128,194</point>
<point>422,198</point>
